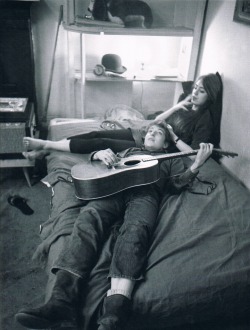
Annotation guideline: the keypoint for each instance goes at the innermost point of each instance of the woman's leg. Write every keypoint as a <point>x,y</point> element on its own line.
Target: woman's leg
<point>35,154</point>
<point>85,146</point>
<point>116,140</point>
<point>38,144</point>
<point>120,134</point>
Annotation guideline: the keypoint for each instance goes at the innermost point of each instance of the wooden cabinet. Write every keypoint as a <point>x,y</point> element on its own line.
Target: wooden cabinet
<point>169,17</point>
<point>16,52</point>
<point>166,53</point>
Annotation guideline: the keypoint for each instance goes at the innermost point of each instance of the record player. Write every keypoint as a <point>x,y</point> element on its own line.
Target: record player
<point>13,109</point>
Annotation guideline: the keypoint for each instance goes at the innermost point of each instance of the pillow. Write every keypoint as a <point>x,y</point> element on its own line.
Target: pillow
<point>121,112</point>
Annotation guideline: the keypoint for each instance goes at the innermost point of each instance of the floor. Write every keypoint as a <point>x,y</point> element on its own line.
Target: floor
<point>22,283</point>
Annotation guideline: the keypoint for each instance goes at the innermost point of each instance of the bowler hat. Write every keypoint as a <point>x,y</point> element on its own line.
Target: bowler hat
<point>113,63</point>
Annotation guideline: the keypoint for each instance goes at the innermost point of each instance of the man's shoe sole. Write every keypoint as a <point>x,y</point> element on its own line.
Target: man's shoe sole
<point>35,322</point>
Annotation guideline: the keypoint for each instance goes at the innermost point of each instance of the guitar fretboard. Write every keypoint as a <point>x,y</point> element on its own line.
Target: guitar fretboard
<point>189,153</point>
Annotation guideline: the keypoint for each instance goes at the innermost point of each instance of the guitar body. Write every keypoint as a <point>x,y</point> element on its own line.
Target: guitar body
<point>93,180</point>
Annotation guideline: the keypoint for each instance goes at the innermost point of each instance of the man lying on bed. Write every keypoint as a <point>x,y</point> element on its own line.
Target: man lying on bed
<point>138,206</point>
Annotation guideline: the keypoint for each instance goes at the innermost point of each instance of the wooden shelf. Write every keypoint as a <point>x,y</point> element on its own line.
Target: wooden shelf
<point>91,77</point>
<point>171,32</point>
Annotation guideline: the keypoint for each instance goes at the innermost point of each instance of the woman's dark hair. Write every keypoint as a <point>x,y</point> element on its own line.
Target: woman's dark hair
<point>212,85</point>
<point>183,123</point>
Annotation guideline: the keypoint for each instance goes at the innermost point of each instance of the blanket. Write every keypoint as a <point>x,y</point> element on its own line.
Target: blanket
<point>198,269</point>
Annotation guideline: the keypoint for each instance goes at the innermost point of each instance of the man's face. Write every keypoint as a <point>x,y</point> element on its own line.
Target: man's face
<point>155,138</point>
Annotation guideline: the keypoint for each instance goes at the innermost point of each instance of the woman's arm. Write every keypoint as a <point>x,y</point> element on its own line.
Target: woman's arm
<point>181,105</point>
<point>181,145</point>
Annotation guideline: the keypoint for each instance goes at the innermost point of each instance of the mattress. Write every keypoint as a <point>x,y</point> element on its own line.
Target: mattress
<point>60,128</point>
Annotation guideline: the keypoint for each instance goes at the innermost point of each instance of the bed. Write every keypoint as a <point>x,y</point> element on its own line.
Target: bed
<point>198,270</point>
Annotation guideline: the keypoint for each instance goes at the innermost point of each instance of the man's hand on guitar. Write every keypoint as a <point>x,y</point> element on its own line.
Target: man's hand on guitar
<point>106,156</point>
<point>203,154</point>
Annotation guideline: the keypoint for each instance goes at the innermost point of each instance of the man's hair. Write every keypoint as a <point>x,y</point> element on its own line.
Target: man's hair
<point>163,125</point>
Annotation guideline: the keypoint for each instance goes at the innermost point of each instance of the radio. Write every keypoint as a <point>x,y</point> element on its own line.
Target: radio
<point>12,130</point>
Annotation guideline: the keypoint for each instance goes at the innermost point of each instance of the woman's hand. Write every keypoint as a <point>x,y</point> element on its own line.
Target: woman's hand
<point>106,156</point>
<point>172,133</point>
<point>203,154</point>
<point>181,105</point>
<point>184,104</point>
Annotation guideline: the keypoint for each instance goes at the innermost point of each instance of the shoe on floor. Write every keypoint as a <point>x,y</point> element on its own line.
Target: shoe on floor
<point>21,204</point>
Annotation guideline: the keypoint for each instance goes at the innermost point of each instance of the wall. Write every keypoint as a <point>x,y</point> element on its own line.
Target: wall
<point>226,49</point>
<point>45,16</point>
<point>146,96</point>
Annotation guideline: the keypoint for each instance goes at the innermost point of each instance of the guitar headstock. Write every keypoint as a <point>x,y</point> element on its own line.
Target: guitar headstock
<point>226,153</point>
<point>230,154</point>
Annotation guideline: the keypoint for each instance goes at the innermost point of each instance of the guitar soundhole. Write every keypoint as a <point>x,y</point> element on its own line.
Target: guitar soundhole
<point>131,162</point>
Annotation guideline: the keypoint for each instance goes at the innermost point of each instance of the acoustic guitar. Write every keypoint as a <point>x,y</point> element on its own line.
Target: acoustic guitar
<point>94,179</point>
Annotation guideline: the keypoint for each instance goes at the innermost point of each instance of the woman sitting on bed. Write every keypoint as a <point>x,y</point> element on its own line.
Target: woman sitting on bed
<point>191,120</point>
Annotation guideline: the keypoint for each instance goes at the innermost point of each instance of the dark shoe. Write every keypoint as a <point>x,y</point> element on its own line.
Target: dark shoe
<point>21,204</point>
<point>116,310</point>
<point>61,306</point>
<point>51,314</point>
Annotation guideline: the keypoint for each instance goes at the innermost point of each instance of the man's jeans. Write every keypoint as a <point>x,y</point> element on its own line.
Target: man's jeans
<point>138,207</point>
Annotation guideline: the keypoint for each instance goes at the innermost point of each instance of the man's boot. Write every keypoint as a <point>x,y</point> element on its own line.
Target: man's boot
<point>60,307</point>
<point>115,314</point>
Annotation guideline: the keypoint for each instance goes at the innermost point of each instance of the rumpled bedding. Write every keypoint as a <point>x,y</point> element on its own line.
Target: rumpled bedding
<point>198,268</point>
